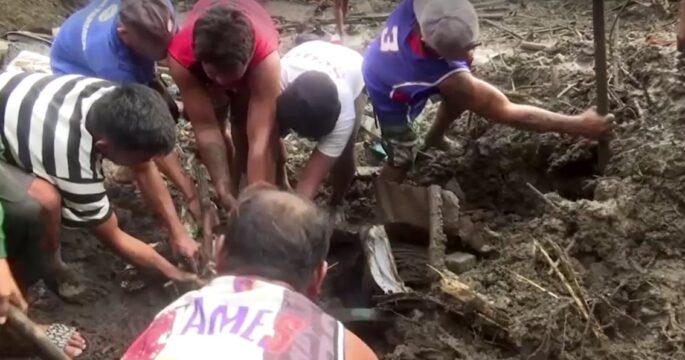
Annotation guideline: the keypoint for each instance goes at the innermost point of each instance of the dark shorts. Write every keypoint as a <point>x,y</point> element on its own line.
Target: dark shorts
<point>23,226</point>
<point>399,141</point>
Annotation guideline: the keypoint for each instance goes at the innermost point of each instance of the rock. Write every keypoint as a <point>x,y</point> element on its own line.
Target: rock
<point>460,262</point>
<point>453,186</point>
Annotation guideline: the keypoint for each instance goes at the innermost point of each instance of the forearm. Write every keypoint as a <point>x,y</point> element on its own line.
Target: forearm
<point>532,118</point>
<point>212,148</point>
<point>153,187</point>
<point>133,250</point>
<point>261,163</point>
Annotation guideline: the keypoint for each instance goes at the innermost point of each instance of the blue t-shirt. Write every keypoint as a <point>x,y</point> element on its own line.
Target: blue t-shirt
<point>398,79</point>
<point>87,44</point>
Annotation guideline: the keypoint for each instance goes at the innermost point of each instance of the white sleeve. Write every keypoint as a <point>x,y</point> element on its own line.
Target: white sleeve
<point>333,144</point>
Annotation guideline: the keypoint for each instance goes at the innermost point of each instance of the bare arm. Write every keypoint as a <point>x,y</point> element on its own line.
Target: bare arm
<point>157,194</point>
<point>261,123</point>
<point>465,90</point>
<point>356,349</point>
<point>313,174</point>
<point>340,10</point>
<point>134,250</point>
<point>209,140</point>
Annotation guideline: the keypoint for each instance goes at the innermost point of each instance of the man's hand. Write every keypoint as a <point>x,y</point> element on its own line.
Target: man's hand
<point>9,292</point>
<point>595,126</point>
<point>182,244</point>
<point>190,280</point>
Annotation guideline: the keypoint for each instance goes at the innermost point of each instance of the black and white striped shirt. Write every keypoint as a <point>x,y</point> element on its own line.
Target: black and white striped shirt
<point>43,123</point>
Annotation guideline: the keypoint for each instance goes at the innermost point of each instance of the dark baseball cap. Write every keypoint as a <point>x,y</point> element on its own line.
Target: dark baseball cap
<point>152,17</point>
<point>310,106</point>
<point>447,26</point>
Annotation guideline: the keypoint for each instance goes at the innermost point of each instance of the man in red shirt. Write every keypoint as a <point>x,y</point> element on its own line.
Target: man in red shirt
<point>227,54</point>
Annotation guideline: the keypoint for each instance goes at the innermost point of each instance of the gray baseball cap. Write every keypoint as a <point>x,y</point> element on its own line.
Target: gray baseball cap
<point>154,17</point>
<point>447,26</point>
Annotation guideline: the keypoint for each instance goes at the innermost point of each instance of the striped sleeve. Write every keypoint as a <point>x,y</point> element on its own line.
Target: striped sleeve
<point>84,204</point>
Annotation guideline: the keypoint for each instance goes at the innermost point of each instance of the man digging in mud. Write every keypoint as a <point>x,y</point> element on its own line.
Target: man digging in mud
<point>119,41</point>
<point>227,54</point>
<point>322,101</point>
<point>426,49</point>
<point>64,337</point>
<point>271,266</point>
<point>55,132</point>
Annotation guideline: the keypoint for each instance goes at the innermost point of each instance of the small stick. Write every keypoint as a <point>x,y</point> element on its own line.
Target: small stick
<point>567,89</point>
<point>545,199</point>
<point>28,330</point>
<point>534,284</point>
<point>567,285</point>
<point>502,27</point>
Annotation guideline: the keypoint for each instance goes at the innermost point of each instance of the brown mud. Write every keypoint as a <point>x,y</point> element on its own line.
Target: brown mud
<point>615,242</point>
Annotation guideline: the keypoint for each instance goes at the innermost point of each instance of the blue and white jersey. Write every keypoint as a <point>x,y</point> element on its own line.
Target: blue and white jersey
<point>399,75</point>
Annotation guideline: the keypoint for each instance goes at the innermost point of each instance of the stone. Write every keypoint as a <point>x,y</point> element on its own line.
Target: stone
<point>460,262</point>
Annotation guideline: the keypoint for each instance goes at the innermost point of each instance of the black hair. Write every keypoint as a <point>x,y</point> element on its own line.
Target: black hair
<point>310,106</point>
<point>135,118</point>
<point>223,37</point>
<point>276,235</point>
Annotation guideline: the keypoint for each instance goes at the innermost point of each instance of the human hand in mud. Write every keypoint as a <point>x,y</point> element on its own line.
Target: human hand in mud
<point>9,292</point>
<point>595,126</point>
<point>182,244</point>
<point>190,280</point>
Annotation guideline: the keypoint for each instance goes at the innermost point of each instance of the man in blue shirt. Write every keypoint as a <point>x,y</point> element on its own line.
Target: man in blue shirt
<point>120,40</point>
<point>424,50</point>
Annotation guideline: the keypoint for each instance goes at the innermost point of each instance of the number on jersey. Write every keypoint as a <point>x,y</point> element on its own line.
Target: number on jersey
<point>389,40</point>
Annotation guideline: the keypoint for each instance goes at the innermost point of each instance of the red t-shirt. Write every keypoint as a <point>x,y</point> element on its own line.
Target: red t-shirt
<point>263,28</point>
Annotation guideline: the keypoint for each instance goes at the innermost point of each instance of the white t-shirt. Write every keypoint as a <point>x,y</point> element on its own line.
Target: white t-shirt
<point>344,66</point>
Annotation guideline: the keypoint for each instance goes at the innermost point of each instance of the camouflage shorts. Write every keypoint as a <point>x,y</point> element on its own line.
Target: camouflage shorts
<point>401,144</point>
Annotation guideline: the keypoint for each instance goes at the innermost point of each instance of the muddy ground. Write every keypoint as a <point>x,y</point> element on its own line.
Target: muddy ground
<point>617,239</point>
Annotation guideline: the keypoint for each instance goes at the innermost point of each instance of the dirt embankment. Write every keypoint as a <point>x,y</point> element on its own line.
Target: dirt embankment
<point>616,240</point>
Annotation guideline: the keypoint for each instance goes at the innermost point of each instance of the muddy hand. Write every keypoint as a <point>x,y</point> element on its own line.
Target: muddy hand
<point>191,280</point>
<point>184,245</point>
<point>595,126</point>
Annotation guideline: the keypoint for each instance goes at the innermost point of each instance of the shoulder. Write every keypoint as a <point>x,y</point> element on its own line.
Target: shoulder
<point>356,349</point>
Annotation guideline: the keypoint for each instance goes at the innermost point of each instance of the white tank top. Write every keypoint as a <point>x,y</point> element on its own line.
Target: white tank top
<point>241,318</point>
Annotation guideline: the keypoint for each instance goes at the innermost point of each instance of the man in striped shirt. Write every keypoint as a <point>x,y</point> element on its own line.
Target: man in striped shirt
<point>55,131</point>
<point>120,40</point>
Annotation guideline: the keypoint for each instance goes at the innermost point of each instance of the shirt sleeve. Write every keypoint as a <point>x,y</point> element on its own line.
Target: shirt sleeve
<point>333,144</point>
<point>3,250</point>
<point>83,204</point>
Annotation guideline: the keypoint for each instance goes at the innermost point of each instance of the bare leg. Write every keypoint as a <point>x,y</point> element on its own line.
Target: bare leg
<point>681,28</point>
<point>443,119</point>
<point>170,166</point>
<point>50,202</point>
<point>343,171</point>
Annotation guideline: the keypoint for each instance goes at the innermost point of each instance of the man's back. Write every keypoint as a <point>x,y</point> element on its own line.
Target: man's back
<point>43,131</point>
<point>244,317</point>
<point>87,44</point>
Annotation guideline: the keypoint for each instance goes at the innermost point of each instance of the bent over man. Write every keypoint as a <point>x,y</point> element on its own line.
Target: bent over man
<point>225,55</point>
<point>321,100</point>
<point>272,267</point>
<point>424,50</point>
<point>55,132</point>
<point>120,40</point>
